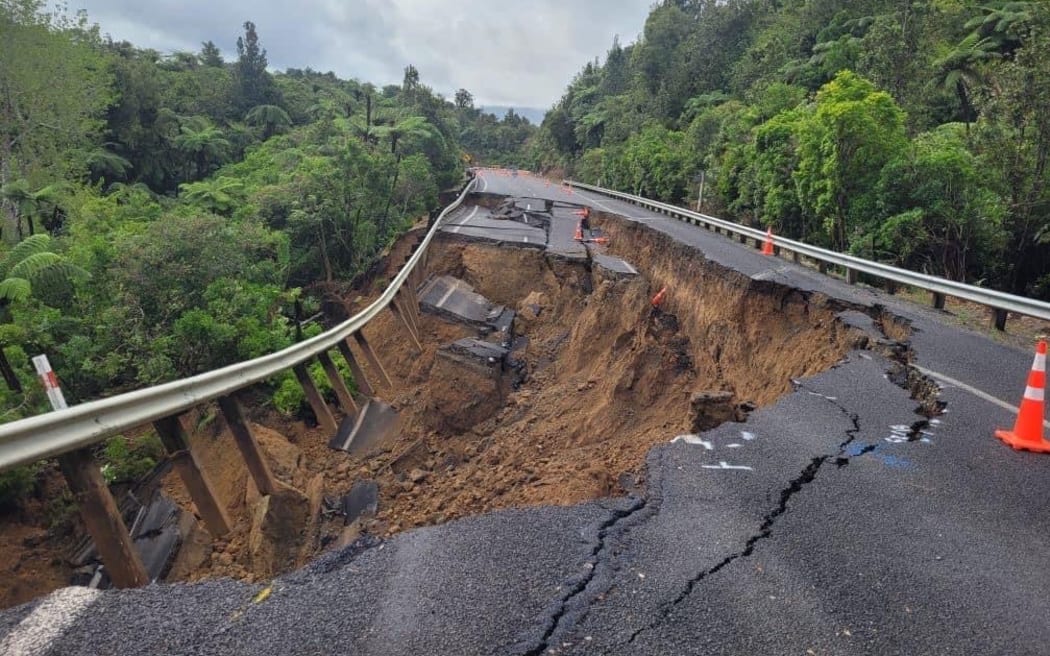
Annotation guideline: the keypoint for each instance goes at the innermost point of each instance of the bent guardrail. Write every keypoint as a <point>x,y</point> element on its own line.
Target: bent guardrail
<point>65,433</point>
<point>1001,302</point>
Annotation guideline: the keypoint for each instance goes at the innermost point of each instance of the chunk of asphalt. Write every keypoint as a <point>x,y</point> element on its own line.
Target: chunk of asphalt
<point>363,500</point>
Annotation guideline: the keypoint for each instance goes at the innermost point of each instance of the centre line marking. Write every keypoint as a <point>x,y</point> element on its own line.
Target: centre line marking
<point>972,390</point>
<point>469,217</point>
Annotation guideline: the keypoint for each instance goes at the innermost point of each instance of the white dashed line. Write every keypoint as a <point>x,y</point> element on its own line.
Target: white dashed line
<point>468,218</point>
<point>56,613</point>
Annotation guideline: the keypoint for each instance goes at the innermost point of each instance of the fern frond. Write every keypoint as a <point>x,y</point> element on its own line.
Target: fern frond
<point>28,247</point>
<point>15,290</point>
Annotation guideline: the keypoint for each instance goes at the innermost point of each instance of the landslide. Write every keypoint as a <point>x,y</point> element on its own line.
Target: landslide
<point>607,377</point>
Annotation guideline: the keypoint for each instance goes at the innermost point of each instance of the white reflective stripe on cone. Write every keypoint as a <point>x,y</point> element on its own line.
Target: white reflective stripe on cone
<point>1034,394</point>
<point>1040,362</point>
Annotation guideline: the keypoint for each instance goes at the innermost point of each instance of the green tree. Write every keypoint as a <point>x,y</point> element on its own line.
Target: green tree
<point>853,132</point>
<point>211,55</point>
<point>254,86</point>
<point>204,144</point>
<point>271,118</point>
<point>53,90</point>
<point>31,268</point>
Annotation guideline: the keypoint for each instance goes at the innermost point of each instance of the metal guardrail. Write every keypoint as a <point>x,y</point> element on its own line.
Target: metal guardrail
<point>939,286</point>
<point>55,433</point>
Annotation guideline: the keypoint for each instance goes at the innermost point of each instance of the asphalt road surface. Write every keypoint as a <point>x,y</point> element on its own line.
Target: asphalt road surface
<point>816,527</point>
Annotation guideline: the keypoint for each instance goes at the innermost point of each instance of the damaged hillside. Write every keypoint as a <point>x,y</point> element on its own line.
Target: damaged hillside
<point>554,356</point>
<point>555,349</point>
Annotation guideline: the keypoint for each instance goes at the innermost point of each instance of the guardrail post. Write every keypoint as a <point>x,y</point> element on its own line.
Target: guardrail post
<point>796,257</point>
<point>346,400</point>
<point>313,396</point>
<point>248,446</point>
<point>822,267</point>
<point>173,436</point>
<point>742,238</point>
<point>938,301</point>
<point>402,315</point>
<point>410,305</point>
<point>851,276</point>
<point>102,519</point>
<point>359,373</point>
<point>372,358</point>
<point>999,319</point>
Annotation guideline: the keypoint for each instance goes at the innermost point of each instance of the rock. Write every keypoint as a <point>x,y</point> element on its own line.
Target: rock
<point>417,475</point>
<point>285,459</point>
<point>276,535</point>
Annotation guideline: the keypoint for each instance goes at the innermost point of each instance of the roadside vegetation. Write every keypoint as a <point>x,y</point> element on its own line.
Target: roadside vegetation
<point>166,214</point>
<point>913,133</point>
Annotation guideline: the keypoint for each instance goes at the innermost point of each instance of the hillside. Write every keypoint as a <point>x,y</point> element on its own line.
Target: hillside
<point>168,214</point>
<point>914,133</point>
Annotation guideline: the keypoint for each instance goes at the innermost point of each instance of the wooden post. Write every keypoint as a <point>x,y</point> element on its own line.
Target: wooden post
<point>999,319</point>
<point>359,373</point>
<point>796,257</point>
<point>102,519</point>
<point>743,238</point>
<point>938,301</point>
<point>193,477</point>
<point>371,356</point>
<point>412,300</point>
<point>851,276</point>
<point>404,304</point>
<point>248,446</point>
<point>313,396</point>
<point>407,323</point>
<point>346,400</point>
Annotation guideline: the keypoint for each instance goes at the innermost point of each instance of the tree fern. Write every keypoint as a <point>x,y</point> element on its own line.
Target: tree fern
<point>28,247</point>
<point>14,290</point>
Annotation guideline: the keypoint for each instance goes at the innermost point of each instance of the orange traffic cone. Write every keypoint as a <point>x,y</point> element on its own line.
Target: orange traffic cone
<point>767,248</point>
<point>1027,434</point>
<point>579,230</point>
<point>658,300</point>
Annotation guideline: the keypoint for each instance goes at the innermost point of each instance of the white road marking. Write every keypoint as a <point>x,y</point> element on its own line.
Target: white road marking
<point>724,465</point>
<point>972,390</point>
<point>441,303</point>
<point>484,183</point>
<point>56,613</point>
<point>747,436</point>
<point>695,441</point>
<point>598,203</point>
<point>468,218</point>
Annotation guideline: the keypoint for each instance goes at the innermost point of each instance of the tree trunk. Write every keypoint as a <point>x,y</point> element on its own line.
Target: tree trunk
<point>390,196</point>
<point>11,222</point>
<point>8,373</point>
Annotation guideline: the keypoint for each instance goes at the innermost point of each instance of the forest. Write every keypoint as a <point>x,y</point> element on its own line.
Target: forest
<point>162,215</point>
<point>912,132</point>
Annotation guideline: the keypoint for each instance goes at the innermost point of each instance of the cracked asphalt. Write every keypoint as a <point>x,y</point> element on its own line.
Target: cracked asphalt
<point>836,521</point>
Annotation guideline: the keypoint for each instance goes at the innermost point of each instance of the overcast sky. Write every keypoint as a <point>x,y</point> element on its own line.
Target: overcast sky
<point>520,53</point>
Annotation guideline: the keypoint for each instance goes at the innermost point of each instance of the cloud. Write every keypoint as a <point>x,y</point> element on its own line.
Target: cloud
<point>506,53</point>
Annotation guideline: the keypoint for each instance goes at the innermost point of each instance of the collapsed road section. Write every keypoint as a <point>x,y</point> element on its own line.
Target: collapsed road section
<point>548,372</point>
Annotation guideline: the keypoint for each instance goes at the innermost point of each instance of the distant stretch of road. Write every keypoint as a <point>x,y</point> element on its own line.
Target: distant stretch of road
<point>819,526</point>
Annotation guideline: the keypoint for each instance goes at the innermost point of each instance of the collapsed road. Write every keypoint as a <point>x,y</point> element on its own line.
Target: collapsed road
<point>860,508</point>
